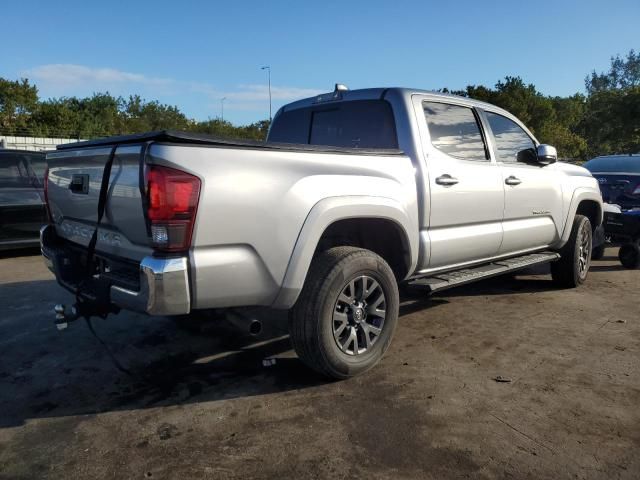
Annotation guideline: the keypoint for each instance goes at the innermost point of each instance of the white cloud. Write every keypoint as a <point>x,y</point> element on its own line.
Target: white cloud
<point>61,74</point>
<point>249,93</point>
<point>198,99</point>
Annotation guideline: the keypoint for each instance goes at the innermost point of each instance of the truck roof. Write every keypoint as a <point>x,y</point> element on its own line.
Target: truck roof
<point>381,92</point>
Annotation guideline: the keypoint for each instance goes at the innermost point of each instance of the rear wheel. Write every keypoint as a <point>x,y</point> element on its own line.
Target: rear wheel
<point>629,255</point>
<point>347,312</point>
<point>575,257</point>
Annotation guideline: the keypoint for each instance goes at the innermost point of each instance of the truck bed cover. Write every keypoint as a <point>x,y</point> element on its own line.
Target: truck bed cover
<point>181,137</point>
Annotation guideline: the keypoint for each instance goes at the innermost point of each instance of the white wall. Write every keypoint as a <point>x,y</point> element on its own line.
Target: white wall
<point>33,143</point>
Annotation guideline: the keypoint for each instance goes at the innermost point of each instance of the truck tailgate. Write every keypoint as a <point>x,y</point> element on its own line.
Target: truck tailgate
<point>74,182</point>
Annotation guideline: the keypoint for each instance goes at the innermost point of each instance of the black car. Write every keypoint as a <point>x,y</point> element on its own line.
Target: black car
<point>619,178</point>
<point>22,205</point>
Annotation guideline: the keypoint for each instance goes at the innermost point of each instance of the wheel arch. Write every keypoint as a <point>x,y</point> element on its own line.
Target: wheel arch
<point>344,219</point>
<point>583,202</point>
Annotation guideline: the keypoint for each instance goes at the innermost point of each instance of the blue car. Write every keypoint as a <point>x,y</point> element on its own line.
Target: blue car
<point>619,178</point>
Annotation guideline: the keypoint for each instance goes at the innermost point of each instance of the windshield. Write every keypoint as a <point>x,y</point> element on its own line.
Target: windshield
<point>621,164</point>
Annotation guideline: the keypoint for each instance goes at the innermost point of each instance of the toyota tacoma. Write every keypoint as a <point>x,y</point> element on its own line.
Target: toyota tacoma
<point>353,193</point>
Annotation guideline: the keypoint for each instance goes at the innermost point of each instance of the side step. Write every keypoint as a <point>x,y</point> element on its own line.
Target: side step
<point>442,281</point>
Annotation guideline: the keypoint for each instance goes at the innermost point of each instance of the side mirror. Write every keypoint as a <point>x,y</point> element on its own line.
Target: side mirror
<point>547,154</point>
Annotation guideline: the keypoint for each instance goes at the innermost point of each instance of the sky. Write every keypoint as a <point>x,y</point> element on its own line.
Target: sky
<point>194,53</point>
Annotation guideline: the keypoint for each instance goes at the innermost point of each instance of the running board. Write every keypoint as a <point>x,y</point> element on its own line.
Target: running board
<point>455,278</point>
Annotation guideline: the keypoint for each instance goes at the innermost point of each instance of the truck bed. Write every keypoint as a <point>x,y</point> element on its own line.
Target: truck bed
<point>178,137</point>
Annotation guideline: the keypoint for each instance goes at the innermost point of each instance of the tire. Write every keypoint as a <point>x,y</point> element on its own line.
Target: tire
<point>325,319</point>
<point>629,255</point>
<point>597,252</point>
<point>575,257</point>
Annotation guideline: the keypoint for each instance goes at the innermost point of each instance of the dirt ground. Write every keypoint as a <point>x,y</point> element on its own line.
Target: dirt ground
<point>203,405</point>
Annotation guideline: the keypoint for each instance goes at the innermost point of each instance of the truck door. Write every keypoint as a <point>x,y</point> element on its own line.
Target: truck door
<point>465,186</point>
<point>533,192</point>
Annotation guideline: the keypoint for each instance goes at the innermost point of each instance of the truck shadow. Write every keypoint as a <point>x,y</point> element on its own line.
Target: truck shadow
<point>606,268</point>
<point>47,374</point>
<point>20,252</point>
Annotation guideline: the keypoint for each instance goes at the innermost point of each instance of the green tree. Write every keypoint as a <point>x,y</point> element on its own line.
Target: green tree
<point>18,100</point>
<point>612,116</point>
<point>624,73</point>
<point>554,120</point>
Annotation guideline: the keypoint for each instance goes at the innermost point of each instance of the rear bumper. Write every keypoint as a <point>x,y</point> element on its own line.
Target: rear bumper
<point>163,282</point>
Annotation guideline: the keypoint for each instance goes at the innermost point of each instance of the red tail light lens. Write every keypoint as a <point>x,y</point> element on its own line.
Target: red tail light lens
<point>173,201</point>
<point>45,188</point>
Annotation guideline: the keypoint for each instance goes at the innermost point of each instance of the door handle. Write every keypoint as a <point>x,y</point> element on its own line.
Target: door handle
<point>512,180</point>
<point>79,183</point>
<point>446,180</point>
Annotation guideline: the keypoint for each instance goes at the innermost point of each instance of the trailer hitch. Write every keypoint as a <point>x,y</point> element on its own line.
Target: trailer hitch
<point>62,318</point>
<point>78,310</point>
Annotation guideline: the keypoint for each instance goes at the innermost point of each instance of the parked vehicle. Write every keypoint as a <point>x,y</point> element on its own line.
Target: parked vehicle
<point>619,179</point>
<point>22,206</point>
<point>354,192</point>
<point>623,229</point>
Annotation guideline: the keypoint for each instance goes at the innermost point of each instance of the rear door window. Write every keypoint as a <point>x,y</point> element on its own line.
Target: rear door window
<point>353,124</point>
<point>455,131</point>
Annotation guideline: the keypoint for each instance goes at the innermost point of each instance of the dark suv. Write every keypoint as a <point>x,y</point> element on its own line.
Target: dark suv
<point>619,179</point>
<point>22,206</point>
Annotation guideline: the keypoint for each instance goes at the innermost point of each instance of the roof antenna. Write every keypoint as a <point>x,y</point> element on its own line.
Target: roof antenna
<point>340,87</point>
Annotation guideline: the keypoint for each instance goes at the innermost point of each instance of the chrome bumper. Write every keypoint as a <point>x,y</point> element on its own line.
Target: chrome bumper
<point>164,282</point>
<point>164,288</point>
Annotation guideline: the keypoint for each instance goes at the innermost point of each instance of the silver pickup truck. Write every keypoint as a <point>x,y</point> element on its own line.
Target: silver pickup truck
<point>353,193</point>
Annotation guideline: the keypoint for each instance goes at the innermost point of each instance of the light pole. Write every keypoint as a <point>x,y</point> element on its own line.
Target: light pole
<point>222,108</point>
<point>268,69</point>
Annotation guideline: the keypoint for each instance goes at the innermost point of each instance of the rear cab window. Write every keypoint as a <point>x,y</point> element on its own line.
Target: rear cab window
<point>350,124</point>
<point>13,171</point>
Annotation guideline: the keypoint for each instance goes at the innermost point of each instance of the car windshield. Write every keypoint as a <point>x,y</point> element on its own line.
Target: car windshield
<point>630,164</point>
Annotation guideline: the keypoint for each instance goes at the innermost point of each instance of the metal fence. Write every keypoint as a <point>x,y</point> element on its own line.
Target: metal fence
<point>33,143</point>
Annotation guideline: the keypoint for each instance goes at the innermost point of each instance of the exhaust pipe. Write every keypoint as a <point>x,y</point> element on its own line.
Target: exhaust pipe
<point>251,325</point>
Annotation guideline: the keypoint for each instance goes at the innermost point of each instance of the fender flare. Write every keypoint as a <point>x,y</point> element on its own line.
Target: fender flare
<point>579,195</point>
<point>321,216</point>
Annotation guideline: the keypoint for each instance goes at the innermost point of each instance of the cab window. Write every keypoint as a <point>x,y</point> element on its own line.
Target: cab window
<point>351,124</point>
<point>512,142</point>
<point>454,130</point>
<point>13,172</point>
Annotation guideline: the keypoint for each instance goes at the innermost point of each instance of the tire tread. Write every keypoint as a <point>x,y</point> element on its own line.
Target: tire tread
<point>563,270</point>
<point>303,317</point>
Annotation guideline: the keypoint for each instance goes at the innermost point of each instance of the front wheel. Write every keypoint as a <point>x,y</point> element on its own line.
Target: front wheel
<point>575,257</point>
<point>629,255</point>
<point>347,312</point>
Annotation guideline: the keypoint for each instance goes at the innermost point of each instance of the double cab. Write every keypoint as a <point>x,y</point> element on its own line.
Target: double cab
<point>352,194</point>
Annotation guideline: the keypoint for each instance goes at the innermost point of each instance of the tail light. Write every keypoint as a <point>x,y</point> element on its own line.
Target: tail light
<point>45,188</point>
<point>172,203</point>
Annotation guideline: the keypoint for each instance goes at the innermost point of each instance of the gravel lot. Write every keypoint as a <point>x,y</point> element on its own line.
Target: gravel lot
<point>202,405</point>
